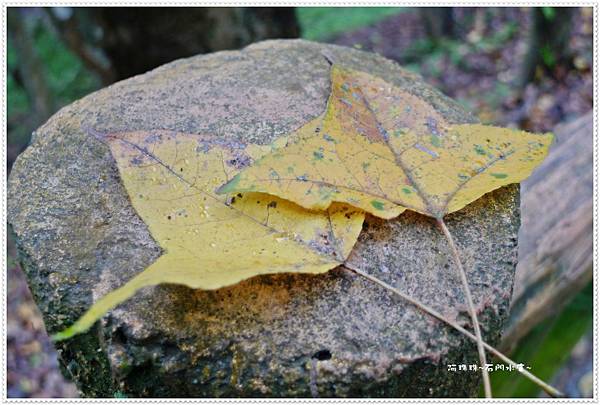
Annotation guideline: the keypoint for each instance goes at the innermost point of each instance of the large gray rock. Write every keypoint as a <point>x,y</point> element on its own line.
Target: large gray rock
<point>79,238</point>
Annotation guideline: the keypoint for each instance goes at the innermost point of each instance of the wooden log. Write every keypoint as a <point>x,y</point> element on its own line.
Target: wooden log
<point>555,239</point>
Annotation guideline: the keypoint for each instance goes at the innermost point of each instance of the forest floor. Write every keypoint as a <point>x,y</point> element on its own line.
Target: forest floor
<point>479,68</point>
<point>32,366</point>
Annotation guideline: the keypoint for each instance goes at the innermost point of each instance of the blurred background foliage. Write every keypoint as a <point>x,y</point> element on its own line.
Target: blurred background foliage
<point>529,68</point>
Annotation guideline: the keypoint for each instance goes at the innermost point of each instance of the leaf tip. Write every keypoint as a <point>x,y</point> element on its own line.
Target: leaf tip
<point>101,136</point>
<point>66,334</point>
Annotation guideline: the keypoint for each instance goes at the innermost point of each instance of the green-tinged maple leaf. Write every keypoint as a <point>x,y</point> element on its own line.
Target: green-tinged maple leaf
<point>384,150</point>
<point>210,241</point>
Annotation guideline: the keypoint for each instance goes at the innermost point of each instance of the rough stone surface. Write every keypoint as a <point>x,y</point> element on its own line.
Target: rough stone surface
<point>79,237</point>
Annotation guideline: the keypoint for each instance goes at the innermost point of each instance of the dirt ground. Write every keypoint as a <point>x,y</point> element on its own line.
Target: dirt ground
<point>32,367</point>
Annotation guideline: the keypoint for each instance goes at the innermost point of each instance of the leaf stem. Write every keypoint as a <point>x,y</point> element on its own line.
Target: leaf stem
<point>553,392</point>
<point>463,277</point>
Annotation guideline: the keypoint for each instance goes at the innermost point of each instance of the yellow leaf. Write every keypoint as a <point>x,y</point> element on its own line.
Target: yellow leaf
<point>384,150</point>
<point>211,241</point>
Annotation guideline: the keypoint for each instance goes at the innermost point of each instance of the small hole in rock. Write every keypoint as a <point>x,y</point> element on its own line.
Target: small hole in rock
<point>322,355</point>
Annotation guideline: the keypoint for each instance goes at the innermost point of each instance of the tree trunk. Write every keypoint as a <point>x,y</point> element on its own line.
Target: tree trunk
<point>548,41</point>
<point>438,21</point>
<point>31,75</point>
<point>136,40</point>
